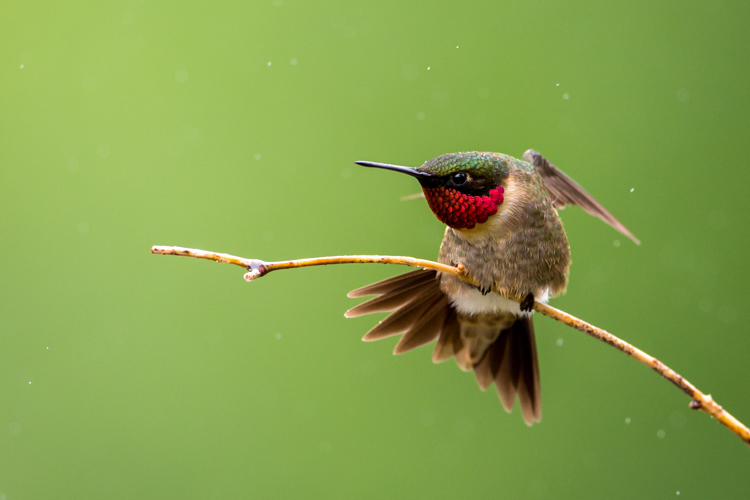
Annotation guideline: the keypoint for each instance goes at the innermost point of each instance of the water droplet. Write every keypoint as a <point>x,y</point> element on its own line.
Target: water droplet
<point>456,46</point>
<point>22,66</point>
<point>420,116</point>
<point>616,243</point>
<point>683,95</point>
<point>678,492</point>
<point>48,348</point>
<point>293,62</point>
<point>89,82</point>
<point>368,368</point>
<point>660,433</point>
<point>566,96</point>
<point>705,305</point>
<point>427,419</point>
<point>632,189</point>
<point>277,3</point>
<point>278,336</point>
<point>181,76</point>
<point>557,85</point>
<point>678,420</point>
<point>29,382</point>
<point>257,156</point>
<point>428,68</point>
<point>103,151</point>
<point>83,227</point>
<point>559,342</point>
<point>727,314</point>
<point>269,63</point>
<point>627,420</point>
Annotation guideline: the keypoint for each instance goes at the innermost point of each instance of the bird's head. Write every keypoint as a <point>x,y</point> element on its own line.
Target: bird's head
<point>462,189</point>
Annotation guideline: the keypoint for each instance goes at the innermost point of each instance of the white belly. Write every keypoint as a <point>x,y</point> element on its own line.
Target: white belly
<point>471,302</point>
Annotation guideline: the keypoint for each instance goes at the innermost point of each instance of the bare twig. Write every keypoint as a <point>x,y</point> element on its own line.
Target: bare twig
<point>258,268</point>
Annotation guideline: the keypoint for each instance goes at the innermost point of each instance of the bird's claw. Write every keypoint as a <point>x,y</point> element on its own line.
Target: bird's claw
<point>527,304</point>
<point>484,290</point>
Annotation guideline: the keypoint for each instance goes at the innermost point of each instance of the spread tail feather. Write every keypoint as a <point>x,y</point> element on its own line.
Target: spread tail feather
<point>514,367</point>
<point>499,349</point>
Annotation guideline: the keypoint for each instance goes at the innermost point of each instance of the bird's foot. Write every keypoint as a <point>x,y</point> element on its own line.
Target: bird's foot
<point>527,304</point>
<point>484,290</point>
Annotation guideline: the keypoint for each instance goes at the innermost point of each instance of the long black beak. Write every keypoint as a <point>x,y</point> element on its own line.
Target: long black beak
<point>396,168</point>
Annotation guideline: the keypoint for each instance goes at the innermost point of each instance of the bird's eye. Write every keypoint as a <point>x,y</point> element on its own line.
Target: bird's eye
<point>459,179</point>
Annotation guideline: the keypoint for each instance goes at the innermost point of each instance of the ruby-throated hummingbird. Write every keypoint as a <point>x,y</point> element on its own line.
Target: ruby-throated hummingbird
<point>504,228</point>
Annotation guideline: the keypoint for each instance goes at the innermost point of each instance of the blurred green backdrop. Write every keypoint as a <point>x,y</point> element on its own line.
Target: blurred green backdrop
<point>234,126</point>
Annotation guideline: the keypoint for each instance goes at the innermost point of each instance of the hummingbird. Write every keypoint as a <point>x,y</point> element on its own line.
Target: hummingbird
<point>503,226</point>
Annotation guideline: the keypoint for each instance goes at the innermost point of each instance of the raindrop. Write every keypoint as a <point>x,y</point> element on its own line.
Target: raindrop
<point>89,83</point>
<point>678,420</point>
<point>428,68</point>
<point>559,342</point>
<point>566,96</point>
<point>727,314</point>
<point>627,420</point>
<point>257,156</point>
<point>420,116</point>
<point>181,76</point>
<point>22,66</point>
<point>29,382</point>
<point>557,85</point>
<point>278,336</point>
<point>456,46</point>
<point>705,305</point>
<point>269,63</point>
<point>660,433</point>
<point>368,368</point>
<point>616,243</point>
<point>293,62</point>
<point>427,419</point>
<point>632,189</point>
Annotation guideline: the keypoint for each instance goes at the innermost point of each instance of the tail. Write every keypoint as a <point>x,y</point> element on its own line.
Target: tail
<point>422,313</point>
<point>512,363</point>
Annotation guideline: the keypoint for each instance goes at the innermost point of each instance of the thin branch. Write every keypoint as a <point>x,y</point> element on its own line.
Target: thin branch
<point>258,268</point>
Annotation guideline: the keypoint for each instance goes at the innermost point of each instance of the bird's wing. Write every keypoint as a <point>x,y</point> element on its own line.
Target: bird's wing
<point>565,191</point>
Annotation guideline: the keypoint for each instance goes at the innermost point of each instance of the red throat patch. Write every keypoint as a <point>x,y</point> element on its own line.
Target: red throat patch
<point>462,211</point>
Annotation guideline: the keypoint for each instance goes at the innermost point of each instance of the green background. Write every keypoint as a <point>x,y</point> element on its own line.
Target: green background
<point>234,127</point>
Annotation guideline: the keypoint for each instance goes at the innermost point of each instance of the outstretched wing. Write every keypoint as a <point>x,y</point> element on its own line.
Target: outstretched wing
<point>565,191</point>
